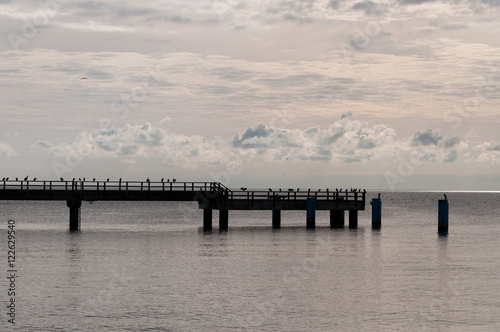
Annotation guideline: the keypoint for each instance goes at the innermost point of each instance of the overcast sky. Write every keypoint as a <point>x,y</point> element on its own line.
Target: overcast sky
<point>398,94</point>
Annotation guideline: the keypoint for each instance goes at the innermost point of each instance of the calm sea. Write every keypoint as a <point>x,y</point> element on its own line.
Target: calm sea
<point>149,267</point>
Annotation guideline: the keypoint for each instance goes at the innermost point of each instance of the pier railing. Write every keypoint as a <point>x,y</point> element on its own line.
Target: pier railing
<point>231,194</point>
<point>80,185</point>
<point>292,195</point>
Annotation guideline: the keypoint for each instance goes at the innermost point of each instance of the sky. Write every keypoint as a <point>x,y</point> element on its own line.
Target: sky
<point>396,95</point>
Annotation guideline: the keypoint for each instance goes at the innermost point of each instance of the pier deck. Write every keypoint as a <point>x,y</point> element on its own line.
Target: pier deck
<point>210,196</point>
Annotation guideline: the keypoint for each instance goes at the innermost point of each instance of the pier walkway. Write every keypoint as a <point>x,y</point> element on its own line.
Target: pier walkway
<point>209,195</point>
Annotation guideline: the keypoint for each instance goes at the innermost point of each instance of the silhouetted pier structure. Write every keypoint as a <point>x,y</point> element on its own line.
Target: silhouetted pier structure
<point>209,195</point>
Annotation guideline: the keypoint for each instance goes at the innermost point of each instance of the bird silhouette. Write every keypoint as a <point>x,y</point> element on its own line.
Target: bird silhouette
<point>83,78</point>
<point>34,179</point>
<point>446,198</point>
<point>93,180</point>
<point>379,195</point>
<point>161,180</point>
<point>173,180</point>
<point>61,179</point>
<point>147,180</point>
<point>107,180</point>
<point>17,179</point>
<point>83,179</point>
<point>26,179</point>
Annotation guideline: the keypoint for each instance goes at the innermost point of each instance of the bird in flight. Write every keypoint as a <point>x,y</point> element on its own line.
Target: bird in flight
<point>83,78</point>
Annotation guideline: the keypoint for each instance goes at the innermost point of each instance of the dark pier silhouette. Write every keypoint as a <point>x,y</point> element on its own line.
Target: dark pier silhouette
<point>209,195</point>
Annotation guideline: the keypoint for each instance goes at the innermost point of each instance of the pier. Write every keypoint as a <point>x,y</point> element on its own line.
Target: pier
<point>209,195</point>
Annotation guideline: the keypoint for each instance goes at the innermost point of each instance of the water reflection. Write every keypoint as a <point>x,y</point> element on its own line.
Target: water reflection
<point>213,244</point>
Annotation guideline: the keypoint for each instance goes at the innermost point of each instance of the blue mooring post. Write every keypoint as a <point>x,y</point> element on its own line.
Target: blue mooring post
<point>443,215</point>
<point>311,213</point>
<point>376,204</point>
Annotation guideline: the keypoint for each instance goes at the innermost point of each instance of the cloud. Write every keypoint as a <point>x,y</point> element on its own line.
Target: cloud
<point>434,137</point>
<point>488,153</point>
<point>165,121</point>
<point>146,141</point>
<point>435,145</point>
<point>97,27</point>
<point>370,8</point>
<point>42,144</point>
<point>346,140</point>
<point>494,148</point>
<point>6,150</point>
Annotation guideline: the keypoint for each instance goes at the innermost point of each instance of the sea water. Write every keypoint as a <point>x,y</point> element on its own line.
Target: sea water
<point>148,266</point>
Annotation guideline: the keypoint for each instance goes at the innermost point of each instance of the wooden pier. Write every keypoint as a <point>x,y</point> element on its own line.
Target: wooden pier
<point>209,195</point>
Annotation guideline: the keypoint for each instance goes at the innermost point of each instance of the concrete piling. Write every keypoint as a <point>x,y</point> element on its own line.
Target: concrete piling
<point>223,220</point>
<point>337,218</point>
<point>74,214</point>
<point>207,220</point>
<point>276,219</point>
<point>353,219</point>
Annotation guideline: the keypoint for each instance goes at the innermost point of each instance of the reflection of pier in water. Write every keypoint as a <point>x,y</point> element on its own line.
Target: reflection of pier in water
<point>210,196</point>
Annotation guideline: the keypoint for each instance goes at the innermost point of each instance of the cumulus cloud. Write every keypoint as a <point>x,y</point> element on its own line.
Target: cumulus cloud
<point>434,137</point>
<point>488,153</point>
<point>145,141</point>
<point>164,121</point>
<point>6,150</point>
<point>435,145</point>
<point>346,140</point>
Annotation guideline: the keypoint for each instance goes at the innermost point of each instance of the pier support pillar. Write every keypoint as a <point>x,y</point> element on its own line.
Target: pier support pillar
<point>223,220</point>
<point>353,218</point>
<point>443,216</point>
<point>276,219</point>
<point>376,204</point>
<point>337,218</point>
<point>311,213</point>
<point>207,219</point>
<point>74,214</point>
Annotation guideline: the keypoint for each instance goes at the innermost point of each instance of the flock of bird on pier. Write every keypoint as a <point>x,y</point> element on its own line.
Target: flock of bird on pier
<point>83,179</point>
<point>290,190</point>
